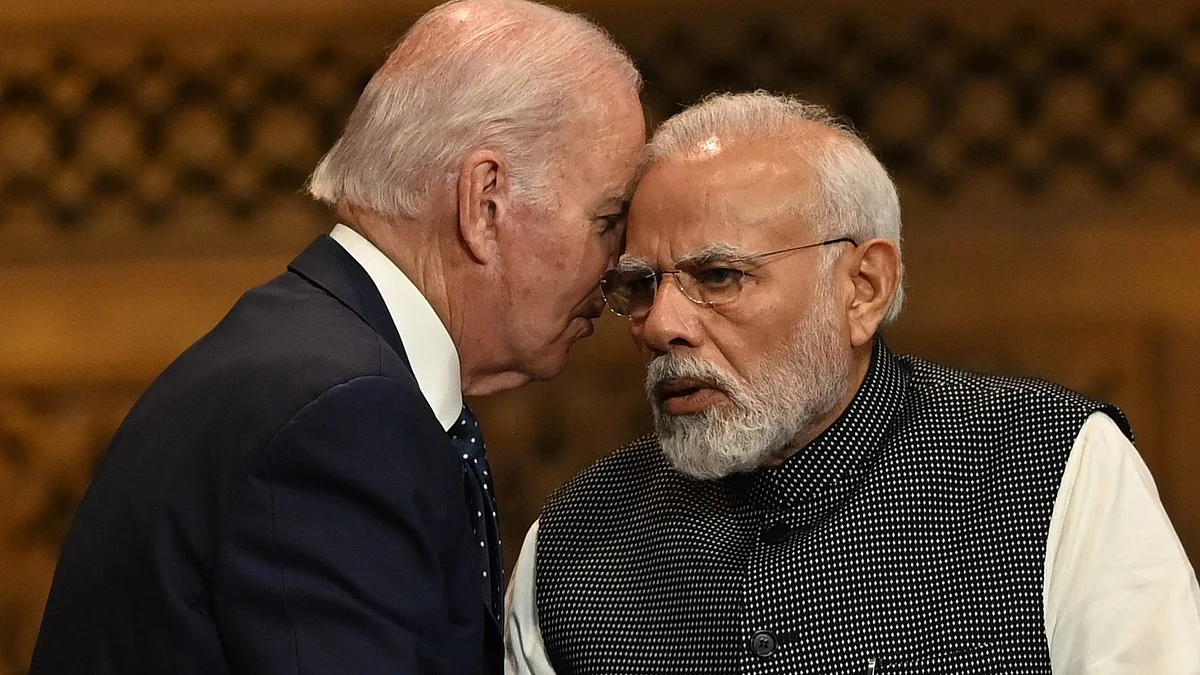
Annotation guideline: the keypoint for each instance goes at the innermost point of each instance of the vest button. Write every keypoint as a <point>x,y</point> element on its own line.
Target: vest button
<point>763,643</point>
<point>775,533</point>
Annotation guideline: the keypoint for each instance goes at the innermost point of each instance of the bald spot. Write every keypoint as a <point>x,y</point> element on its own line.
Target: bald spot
<point>449,28</point>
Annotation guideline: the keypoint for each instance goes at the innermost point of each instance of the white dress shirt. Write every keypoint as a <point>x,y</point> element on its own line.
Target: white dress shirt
<point>1119,595</point>
<point>428,345</point>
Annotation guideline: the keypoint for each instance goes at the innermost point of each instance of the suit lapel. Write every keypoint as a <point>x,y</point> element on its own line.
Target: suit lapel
<point>330,267</point>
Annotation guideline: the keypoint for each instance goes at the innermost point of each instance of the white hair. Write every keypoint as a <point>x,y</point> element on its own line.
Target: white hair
<point>856,199</point>
<point>502,74</point>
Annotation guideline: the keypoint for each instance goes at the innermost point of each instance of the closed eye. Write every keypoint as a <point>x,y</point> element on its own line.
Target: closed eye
<point>612,223</point>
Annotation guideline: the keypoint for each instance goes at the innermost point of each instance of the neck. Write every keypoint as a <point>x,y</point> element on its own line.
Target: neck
<point>430,254</point>
<point>488,366</point>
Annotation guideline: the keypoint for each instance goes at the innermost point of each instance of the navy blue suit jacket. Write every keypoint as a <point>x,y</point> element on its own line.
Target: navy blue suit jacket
<point>281,500</point>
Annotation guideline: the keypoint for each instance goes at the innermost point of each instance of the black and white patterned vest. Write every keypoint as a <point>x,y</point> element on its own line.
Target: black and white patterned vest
<point>911,534</point>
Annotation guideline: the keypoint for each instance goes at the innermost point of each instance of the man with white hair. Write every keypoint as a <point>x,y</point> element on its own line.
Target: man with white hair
<point>304,490</point>
<point>811,502</point>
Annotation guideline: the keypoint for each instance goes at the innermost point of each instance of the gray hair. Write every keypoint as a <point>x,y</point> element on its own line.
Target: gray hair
<point>856,197</point>
<point>502,74</point>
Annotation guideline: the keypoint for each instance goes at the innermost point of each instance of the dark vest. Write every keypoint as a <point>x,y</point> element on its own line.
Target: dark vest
<point>912,533</point>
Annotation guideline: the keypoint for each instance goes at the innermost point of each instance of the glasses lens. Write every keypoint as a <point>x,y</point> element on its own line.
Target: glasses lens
<point>629,293</point>
<point>713,285</point>
<point>616,294</point>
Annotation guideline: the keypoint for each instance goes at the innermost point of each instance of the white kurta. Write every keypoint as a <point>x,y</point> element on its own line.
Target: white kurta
<point>1119,595</point>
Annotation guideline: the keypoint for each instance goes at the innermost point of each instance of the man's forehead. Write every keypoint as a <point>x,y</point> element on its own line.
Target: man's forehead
<point>600,152</point>
<point>686,220</point>
<point>751,178</point>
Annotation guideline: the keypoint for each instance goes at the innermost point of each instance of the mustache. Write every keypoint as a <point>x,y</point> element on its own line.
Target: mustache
<point>679,366</point>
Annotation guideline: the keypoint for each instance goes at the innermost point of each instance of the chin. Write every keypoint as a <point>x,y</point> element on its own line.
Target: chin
<point>550,359</point>
<point>548,367</point>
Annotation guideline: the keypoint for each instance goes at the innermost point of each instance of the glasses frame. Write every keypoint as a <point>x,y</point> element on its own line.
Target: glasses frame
<point>757,258</point>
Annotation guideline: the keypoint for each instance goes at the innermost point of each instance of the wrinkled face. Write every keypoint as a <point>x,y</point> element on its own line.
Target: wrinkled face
<point>734,384</point>
<point>557,254</point>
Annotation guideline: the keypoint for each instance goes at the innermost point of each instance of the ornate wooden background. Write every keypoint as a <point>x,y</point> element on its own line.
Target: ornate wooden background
<point>151,157</point>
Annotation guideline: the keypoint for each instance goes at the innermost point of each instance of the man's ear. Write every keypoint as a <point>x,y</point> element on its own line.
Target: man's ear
<point>875,271</point>
<point>483,201</point>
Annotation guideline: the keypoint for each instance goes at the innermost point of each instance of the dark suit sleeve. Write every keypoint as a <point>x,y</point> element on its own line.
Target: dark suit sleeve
<point>339,542</point>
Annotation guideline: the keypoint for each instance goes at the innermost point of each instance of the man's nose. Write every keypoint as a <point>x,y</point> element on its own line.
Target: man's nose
<point>672,321</point>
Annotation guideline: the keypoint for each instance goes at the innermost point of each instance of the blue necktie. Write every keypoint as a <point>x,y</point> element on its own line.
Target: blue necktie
<point>481,501</point>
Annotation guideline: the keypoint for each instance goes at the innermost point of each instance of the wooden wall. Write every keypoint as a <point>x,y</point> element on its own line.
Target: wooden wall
<point>151,157</point>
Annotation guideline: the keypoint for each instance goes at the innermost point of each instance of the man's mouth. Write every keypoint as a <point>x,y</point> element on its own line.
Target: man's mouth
<point>687,395</point>
<point>587,316</point>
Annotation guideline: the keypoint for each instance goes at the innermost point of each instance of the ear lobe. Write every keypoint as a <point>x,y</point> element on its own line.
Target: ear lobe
<point>482,202</point>
<point>876,276</point>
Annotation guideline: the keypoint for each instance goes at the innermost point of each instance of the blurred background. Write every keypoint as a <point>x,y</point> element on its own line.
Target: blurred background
<point>152,156</point>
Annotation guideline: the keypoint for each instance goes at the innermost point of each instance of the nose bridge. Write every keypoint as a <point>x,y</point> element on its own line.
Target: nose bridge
<point>670,293</point>
<point>672,318</point>
<point>678,284</point>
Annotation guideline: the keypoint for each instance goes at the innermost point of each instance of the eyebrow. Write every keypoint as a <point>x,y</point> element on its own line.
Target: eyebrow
<point>714,253</point>
<point>708,255</point>
<point>629,264</point>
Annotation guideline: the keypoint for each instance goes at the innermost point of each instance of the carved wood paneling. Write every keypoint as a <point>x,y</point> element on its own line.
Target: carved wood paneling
<point>139,145</point>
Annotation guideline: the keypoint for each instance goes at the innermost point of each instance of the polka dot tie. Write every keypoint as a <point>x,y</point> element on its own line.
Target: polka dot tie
<point>481,502</point>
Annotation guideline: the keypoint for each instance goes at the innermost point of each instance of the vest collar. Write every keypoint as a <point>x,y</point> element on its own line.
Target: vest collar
<point>828,468</point>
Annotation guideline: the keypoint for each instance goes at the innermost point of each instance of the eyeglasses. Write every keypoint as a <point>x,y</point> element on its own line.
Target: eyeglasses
<point>705,281</point>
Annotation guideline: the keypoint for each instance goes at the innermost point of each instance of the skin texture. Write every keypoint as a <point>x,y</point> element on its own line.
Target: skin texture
<point>548,262</point>
<point>516,284</point>
<point>746,193</point>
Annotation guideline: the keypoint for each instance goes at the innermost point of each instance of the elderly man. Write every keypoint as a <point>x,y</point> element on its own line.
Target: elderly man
<point>810,501</point>
<point>303,490</point>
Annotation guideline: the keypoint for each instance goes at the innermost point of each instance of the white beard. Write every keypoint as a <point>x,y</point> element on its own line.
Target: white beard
<point>797,383</point>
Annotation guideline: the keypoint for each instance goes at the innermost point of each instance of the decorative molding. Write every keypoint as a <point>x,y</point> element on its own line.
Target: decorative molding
<point>168,143</point>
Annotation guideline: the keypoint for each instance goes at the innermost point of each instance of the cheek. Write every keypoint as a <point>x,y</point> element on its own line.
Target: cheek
<point>730,352</point>
<point>635,334</point>
<point>561,278</point>
<point>742,344</point>
<point>592,259</point>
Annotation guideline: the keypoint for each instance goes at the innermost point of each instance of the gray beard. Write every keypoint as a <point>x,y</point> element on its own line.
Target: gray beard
<point>796,385</point>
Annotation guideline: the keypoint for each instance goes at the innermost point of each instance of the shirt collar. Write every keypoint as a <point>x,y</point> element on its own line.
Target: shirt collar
<point>821,473</point>
<point>429,347</point>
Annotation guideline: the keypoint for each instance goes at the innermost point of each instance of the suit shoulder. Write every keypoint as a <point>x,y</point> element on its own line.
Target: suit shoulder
<point>278,349</point>
<point>289,321</point>
<point>291,336</point>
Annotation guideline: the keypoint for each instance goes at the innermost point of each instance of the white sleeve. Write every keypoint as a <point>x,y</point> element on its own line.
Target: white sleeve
<point>524,653</point>
<point>1120,597</point>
